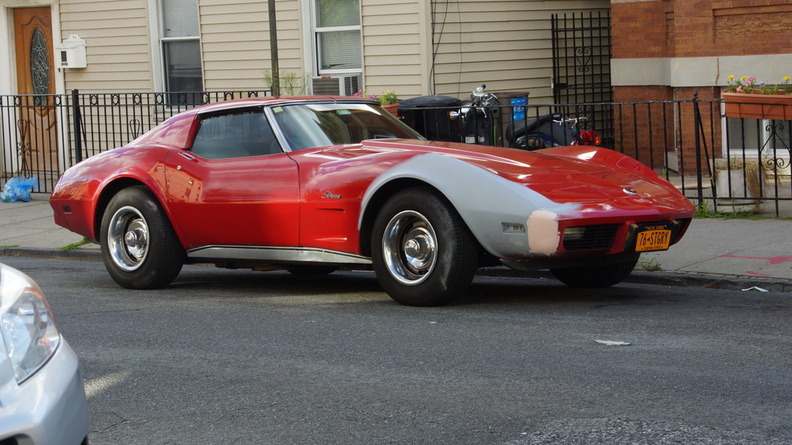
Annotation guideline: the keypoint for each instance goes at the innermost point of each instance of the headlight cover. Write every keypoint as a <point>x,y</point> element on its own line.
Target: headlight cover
<point>26,323</point>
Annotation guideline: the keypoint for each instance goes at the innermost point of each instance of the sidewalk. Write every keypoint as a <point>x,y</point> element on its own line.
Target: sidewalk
<point>724,253</point>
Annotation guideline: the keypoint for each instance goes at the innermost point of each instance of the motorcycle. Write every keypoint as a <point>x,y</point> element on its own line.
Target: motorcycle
<point>551,130</point>
<point>479,118</point>
<point>479,125</point>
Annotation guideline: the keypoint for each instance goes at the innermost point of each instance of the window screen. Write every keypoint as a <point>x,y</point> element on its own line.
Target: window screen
<point>180,18</point>
<point>338,41</point>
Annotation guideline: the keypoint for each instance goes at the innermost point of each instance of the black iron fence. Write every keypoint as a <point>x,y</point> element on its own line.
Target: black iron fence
<point>721,163</point>
<point>42,135</point>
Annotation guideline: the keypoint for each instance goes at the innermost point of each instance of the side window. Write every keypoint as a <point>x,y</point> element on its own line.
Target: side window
<point>235,135</point>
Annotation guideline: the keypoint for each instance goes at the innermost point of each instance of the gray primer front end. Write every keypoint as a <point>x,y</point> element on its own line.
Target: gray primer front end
<point>510,221</point>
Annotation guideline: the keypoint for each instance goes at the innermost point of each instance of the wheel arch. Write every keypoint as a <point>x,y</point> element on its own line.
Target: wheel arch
<point>111,189</point>
<point>378,199</point>
<point>484,200</point>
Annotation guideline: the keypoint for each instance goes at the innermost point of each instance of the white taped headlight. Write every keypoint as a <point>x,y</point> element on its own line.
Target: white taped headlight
<point>26,323</point>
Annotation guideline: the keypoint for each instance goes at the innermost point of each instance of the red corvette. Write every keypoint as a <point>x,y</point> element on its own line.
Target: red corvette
<point>312,184</point>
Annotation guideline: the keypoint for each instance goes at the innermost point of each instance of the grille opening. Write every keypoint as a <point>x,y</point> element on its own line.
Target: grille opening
<point>681,225</point>
<point>590,237</point>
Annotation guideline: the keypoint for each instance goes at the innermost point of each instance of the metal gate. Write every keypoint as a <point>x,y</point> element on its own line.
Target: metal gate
<point>581,68</point>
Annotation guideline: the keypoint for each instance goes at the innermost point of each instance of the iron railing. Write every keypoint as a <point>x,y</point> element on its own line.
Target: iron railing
<point>42,135</point>
<point>720,163</point>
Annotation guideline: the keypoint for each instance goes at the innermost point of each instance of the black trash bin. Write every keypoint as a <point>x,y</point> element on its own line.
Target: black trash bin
<point>428,115</point>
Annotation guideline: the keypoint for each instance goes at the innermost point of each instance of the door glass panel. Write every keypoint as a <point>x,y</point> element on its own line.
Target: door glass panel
<point>39,63</point>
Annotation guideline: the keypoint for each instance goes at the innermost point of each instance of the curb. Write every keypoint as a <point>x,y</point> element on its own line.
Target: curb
<point>78,254</point>
<point>662,278</point>
<point>666,278</point>
<point>717,281</point>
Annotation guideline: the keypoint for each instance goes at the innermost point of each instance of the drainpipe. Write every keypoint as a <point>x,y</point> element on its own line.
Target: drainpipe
<point>273,31</point>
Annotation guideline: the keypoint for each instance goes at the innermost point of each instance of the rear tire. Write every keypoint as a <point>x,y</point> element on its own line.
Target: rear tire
<point>423,253</point>
<point>597,276</point>
<point>139,246</point>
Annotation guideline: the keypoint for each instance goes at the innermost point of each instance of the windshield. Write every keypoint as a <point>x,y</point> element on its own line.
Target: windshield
<point>321,125</point>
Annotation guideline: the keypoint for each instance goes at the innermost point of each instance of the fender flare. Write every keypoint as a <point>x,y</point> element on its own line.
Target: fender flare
<point>497,211</point>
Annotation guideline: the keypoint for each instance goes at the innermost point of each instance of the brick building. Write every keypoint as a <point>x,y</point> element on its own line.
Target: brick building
<point>682,44</point>
<point>669,49</point>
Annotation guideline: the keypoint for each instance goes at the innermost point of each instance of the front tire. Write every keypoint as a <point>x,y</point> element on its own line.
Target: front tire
<point>423,253</point>
<point>597,276</point>
<point>140,249</point>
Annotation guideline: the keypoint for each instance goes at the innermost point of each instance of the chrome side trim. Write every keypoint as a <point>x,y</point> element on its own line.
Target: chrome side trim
<point>274,254</point>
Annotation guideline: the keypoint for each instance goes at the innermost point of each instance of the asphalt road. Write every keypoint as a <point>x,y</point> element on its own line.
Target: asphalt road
<point>251,357</point>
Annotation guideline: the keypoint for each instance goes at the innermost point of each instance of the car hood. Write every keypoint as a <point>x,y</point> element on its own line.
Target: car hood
<point>579,174</point>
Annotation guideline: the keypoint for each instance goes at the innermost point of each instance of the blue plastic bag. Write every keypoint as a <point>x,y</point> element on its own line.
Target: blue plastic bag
<point>18,189</point>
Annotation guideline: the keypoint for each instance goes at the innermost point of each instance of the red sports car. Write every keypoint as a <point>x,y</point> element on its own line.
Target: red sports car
<point>313,184</point>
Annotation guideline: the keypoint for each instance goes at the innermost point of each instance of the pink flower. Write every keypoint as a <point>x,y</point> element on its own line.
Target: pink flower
<point>739,89</point>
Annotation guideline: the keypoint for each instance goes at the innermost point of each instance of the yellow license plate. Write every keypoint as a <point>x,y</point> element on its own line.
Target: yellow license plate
<point>653,240</point>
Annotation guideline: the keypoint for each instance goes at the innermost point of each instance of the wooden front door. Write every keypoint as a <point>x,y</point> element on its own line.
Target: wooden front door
<point>36,123</point>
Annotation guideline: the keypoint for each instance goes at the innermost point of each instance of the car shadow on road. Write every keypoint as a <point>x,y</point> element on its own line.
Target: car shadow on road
<point>542,291</point>
<point>362,286</point>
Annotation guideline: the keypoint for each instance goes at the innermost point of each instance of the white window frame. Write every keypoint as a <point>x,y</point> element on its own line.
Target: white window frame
<point>156,41</point>
<point>310,34</point>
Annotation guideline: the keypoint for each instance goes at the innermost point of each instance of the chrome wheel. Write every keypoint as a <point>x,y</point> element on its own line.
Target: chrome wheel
<point>140,249</point>
<point>128,238</point>
<point>421,249</point>
<point>409,247</point>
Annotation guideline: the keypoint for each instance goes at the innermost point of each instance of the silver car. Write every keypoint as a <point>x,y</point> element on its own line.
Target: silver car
<point>42,397</point>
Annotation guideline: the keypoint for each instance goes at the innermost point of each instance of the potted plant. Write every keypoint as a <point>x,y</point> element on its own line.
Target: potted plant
<point>744,98</point>
<point>388,100</point>
<point>737,184</point>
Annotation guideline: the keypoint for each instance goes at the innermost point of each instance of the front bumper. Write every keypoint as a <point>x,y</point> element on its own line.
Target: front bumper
<point>547,235</point>
<point>48,408</point>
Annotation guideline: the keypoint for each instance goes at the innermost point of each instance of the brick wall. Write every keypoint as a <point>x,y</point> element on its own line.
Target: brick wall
<point>645,126</point>
<point>655,130</point>
<point>701,28</point>
<point>640,29</point>
<point>742,27</point>
<point>685,29</point>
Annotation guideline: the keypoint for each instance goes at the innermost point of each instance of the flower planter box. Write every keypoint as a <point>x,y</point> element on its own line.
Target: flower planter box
<point>392,109</point>
<point>758,106</point>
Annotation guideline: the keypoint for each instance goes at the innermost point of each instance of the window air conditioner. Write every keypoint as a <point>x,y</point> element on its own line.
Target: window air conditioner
<point>336,86</point>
